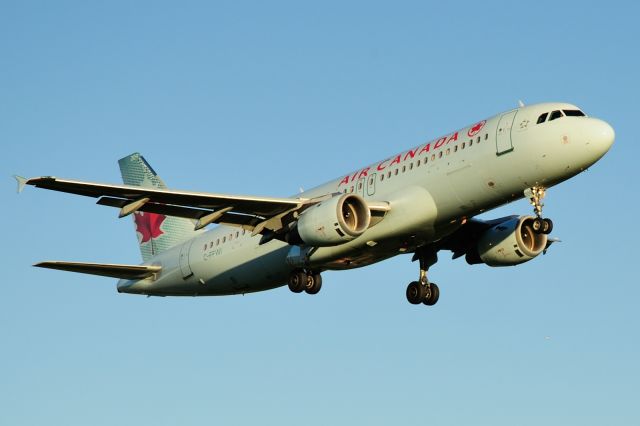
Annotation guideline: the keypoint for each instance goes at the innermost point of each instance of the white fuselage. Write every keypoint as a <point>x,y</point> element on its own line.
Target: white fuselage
<point>432,189</point>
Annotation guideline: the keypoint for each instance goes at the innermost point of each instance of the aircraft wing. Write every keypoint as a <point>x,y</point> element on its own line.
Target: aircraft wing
<point>113,270</point>
<point>252,213</point>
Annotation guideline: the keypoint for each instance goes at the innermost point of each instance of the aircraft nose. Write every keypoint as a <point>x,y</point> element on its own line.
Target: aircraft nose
<point>602,136</point>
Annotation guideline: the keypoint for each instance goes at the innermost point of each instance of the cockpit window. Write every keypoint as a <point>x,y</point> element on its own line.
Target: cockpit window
<point>542,118</point>
<point>555,114</point>
<point>573,113</point>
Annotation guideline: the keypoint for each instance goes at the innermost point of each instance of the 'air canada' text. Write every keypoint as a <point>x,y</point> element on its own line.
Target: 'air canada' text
<point>400,158</point>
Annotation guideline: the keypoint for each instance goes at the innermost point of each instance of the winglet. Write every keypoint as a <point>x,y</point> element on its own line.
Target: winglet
<point>22,181</point>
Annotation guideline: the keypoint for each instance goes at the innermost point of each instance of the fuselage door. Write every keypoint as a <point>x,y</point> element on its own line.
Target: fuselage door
<point>185,268</point>
<point>503,133</point>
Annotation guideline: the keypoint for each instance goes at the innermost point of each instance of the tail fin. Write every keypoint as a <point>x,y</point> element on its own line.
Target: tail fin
<point>156,232</point>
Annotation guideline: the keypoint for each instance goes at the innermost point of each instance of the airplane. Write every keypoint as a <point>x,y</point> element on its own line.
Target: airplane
<point>419,201</point>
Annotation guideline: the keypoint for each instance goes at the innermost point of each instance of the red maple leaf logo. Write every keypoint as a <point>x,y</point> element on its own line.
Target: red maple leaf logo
<point>476,128</point>
<point>148,225</point>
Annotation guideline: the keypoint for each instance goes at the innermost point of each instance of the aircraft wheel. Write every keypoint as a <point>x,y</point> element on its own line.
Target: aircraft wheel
<point>432,295</point>
<point>297,281</point>
<point>314,284</point>
<point>547,226</point>
<point>537,225</point>
<point>415,292</point>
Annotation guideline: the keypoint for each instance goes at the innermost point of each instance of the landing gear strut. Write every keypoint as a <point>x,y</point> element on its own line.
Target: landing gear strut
<point>423,291</point>
<point>540,225</point>
<point>307,281</point>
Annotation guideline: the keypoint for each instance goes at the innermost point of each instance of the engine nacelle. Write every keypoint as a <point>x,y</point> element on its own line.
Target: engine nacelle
<point>510,243</point>
<point>332,222</point>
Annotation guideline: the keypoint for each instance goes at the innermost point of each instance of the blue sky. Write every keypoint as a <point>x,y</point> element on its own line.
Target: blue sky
<point>263,98</point>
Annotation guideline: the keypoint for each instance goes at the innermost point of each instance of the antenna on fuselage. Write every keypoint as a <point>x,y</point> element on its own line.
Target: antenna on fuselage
<point>520,104</point>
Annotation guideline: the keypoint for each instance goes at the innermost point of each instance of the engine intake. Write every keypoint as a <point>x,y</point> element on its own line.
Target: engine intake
<point>332,222</point>
<point>510,243</point>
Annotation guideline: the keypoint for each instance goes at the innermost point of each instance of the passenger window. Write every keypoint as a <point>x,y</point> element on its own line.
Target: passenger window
<point>351,189</point>
<point>230,237</point>
<point>395,172</point>
<point>433,157</point>
<point>218,242</point>
<point>486,136</point>
<point>418,163</point>
<point>471,142</point>
<point>440,154</point>
<point>404,168</point>
<point>410,166</point>
<point>205,246</point>
<point>573,113</point>
<point>455,148</point>
<point>237,234</point>
<point>543,118</point>
<point>389,175</point>
<point>224,239</point>
<point>478,140</point>
<point>448,151</point>
<point>359,186</point>
<point>555,115</point>
<point>463,145</point>
<point>381,177</point>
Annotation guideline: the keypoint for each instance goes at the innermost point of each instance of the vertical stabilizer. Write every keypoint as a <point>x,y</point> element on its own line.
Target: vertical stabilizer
<point>156,232</point>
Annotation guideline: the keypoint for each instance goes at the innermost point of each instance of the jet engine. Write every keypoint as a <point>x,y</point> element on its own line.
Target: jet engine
<point>331,222</point>
<point>509,243</point>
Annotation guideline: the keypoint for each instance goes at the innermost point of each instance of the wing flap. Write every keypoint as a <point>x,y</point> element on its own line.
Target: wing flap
<point>245,221</point>
<point>112,270</point>
<point>169,210</point>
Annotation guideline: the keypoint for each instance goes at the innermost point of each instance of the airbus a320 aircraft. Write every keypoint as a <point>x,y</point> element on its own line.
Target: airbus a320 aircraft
<point>420,201</point>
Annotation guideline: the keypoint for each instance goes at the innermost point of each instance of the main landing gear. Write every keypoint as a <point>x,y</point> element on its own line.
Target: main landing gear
<point>307,281</point>
<point>423,291</point>
<point>540,225</point>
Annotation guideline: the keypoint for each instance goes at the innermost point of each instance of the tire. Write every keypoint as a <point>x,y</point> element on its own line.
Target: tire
<point>433,296</point>
<point>415,293</point>
<point>547,227</point>
<point>316,284</point>
<point>537,225</point>
<point>297,281</point>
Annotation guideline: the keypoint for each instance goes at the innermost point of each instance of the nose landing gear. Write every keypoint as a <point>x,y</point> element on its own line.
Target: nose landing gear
<point>536,194</point>
<point>542,226</point>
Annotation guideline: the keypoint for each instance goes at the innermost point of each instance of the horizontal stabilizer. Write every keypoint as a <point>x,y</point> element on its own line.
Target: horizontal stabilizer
<point>129,272</point>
